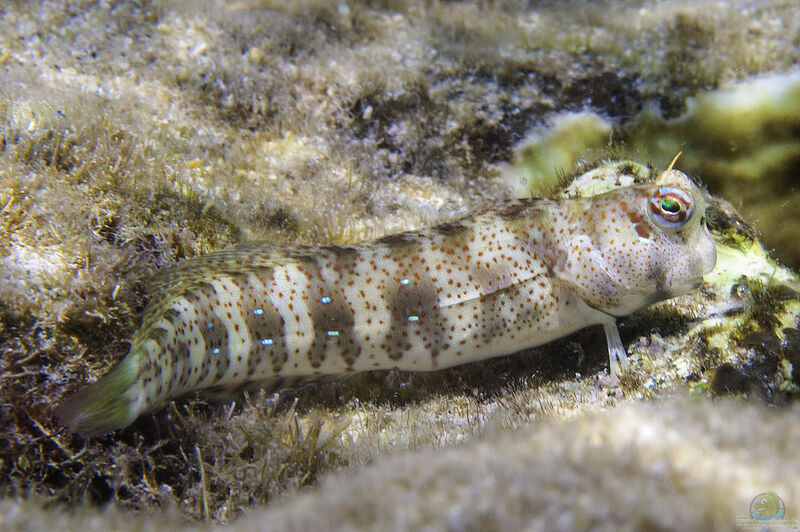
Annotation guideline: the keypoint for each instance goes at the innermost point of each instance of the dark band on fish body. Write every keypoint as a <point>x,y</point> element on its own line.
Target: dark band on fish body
<point>215,336</point>
<point>491,308</point>
<point>413,312</point>
<point>185,357</point>
<point>266,328</point>
<point>332,320</point>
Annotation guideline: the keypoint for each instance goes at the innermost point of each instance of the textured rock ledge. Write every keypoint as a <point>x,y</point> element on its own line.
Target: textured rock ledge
<point>671,465</point>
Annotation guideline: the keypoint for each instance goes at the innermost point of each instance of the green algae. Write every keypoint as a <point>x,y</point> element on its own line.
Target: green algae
<point>742,139</point>
<point>541,159</point>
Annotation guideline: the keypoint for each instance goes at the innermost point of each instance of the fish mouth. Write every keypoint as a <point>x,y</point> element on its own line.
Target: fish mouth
<point>662,292</point>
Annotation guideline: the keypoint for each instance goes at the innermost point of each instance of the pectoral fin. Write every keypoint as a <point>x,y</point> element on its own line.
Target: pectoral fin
<point>617,358</point>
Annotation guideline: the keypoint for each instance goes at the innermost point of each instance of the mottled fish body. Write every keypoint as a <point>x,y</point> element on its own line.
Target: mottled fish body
<point>512,275</point>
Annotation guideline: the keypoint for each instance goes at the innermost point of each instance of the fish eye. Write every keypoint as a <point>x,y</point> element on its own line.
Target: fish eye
<point>671,207</point>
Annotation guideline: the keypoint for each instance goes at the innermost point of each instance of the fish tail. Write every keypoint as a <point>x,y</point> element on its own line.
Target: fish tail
<point>106,405</point>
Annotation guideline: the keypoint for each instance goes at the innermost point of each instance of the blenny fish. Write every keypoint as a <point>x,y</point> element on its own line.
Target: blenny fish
<point>511,275</point>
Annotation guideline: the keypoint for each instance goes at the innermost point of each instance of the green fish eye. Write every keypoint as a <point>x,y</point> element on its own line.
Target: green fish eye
<point>670,205</point>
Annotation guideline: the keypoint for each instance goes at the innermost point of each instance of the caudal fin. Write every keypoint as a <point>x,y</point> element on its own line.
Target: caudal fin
<point>106,405</point>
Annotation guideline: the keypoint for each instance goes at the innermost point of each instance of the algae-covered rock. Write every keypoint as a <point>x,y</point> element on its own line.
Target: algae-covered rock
<point>667,465</point>
<point>672,465</point>
<point>741,138</point>
<point>744,141</point>
<point>136,134</point>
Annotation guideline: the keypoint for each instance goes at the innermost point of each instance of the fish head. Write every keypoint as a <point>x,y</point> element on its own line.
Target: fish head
<point>639,245</point>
